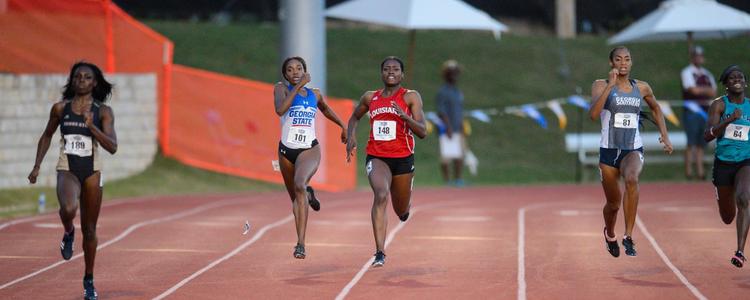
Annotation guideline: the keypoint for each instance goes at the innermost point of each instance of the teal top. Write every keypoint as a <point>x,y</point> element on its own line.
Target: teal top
<point>733,145</point>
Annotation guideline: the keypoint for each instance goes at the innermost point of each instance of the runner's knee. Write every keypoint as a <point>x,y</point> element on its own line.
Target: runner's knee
<point>89,232</point>
<point>299,187</point>
<point>742,199</point>
<point>631,181</point>
<point>381,197</point>
<point>68,211</point>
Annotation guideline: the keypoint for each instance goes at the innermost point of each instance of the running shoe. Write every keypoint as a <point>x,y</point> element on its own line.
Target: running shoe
<point>404,217</point>
<point>629,245</point>
<point>314,203</point>
<point>299,251</point>
<point>612,247</point>
<point>89,291</point>
<point>66,245</point>
<point>379,259</point>
<point>738,260</point>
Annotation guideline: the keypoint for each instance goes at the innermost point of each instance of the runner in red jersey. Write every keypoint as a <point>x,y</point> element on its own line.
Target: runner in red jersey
<point>395,116</point>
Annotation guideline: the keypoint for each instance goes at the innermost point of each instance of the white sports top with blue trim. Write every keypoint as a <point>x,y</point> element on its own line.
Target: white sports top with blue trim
<point>298,123</point>
<point>620,119</point>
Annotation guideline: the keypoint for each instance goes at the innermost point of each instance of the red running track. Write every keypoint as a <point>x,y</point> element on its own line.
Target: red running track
<point>534,242</point>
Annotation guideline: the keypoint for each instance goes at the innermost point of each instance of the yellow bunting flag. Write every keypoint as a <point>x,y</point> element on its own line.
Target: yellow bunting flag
<point>668,113</point>
<point>556,108</point>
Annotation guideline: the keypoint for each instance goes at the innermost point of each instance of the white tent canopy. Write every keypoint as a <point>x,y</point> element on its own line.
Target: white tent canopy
<point>686,19</point>
<point>417,14</point>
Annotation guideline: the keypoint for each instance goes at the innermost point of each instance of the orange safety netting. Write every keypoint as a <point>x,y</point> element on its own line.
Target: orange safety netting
<point>42,36</point>
<point>229,125</point>
<point>221,123</point>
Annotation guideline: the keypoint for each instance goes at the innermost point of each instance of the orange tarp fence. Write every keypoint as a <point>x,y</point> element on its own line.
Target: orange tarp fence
<point>208,120</point>
<point>43,36</point>
<point>229,125</point>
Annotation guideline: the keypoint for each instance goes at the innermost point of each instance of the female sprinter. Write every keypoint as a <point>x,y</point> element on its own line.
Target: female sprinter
<point>85,123</point>
<point>617,101</point>
<point>395,115</point>
<point>299,153</point>
<point>728,123</point>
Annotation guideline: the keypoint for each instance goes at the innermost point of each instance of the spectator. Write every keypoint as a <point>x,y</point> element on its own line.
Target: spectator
<point>450,102</point>
<point>698,89</point>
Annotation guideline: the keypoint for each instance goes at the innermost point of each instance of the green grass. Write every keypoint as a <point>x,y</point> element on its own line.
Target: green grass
<point>514,70</point>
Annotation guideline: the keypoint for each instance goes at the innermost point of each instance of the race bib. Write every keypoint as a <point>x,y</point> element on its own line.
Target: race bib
<point>736,132</point>
<point>301,137</point>
<point>384,130</point>
<point>79,145</point>
<point>626,120</point>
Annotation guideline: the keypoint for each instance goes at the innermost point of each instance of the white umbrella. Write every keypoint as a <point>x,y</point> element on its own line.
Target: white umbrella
<point>417,14</point>
<point>686,19</point>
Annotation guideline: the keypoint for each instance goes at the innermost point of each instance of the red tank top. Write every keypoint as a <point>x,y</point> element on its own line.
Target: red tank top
<point>389,135</point>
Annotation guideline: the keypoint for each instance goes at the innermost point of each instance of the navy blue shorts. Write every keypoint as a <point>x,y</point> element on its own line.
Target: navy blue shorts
<point>291,154</point>
<point>398,166</point>
<point>695,125</point>
<point>613,157</point>
<point>725,171</point>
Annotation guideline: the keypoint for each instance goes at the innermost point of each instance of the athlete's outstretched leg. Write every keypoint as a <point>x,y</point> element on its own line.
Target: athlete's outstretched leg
<point>379,175</point>
<point>727,203</point>
<point>91,202</point>
<point>68,193</point>
<point>300,219</point>
<point>401,194</point>
<point>631,168</point>
<point>306,165</point>
<point>742,184</point>
<point>610,183</point>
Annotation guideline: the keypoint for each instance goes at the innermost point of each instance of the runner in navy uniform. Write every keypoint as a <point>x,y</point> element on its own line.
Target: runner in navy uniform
<point>617,101</point>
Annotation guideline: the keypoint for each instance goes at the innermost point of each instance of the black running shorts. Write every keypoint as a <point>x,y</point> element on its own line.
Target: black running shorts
<point>398,166</point>
<point>613,157</point>
<point>291,154</point>
<point>725,171</point>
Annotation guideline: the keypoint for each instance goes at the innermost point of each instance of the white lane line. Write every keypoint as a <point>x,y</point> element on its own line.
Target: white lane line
<point>367,264</point>
<point>521,293</point>
<point>127,232</point>
<point>669,264</point>
<point>244,245</point>
<point>23,220</point>
<point>54,214</point>
<point>521,254</point>
<point>388,240</point>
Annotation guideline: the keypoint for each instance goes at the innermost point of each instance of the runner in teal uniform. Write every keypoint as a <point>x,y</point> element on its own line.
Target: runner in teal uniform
<point>728,123</point>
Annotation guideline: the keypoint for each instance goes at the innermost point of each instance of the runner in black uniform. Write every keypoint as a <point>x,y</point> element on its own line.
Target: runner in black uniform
<point>85,124</point>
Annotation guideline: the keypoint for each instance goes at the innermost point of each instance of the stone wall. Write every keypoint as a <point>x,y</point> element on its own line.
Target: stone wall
<point>25,103</point>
